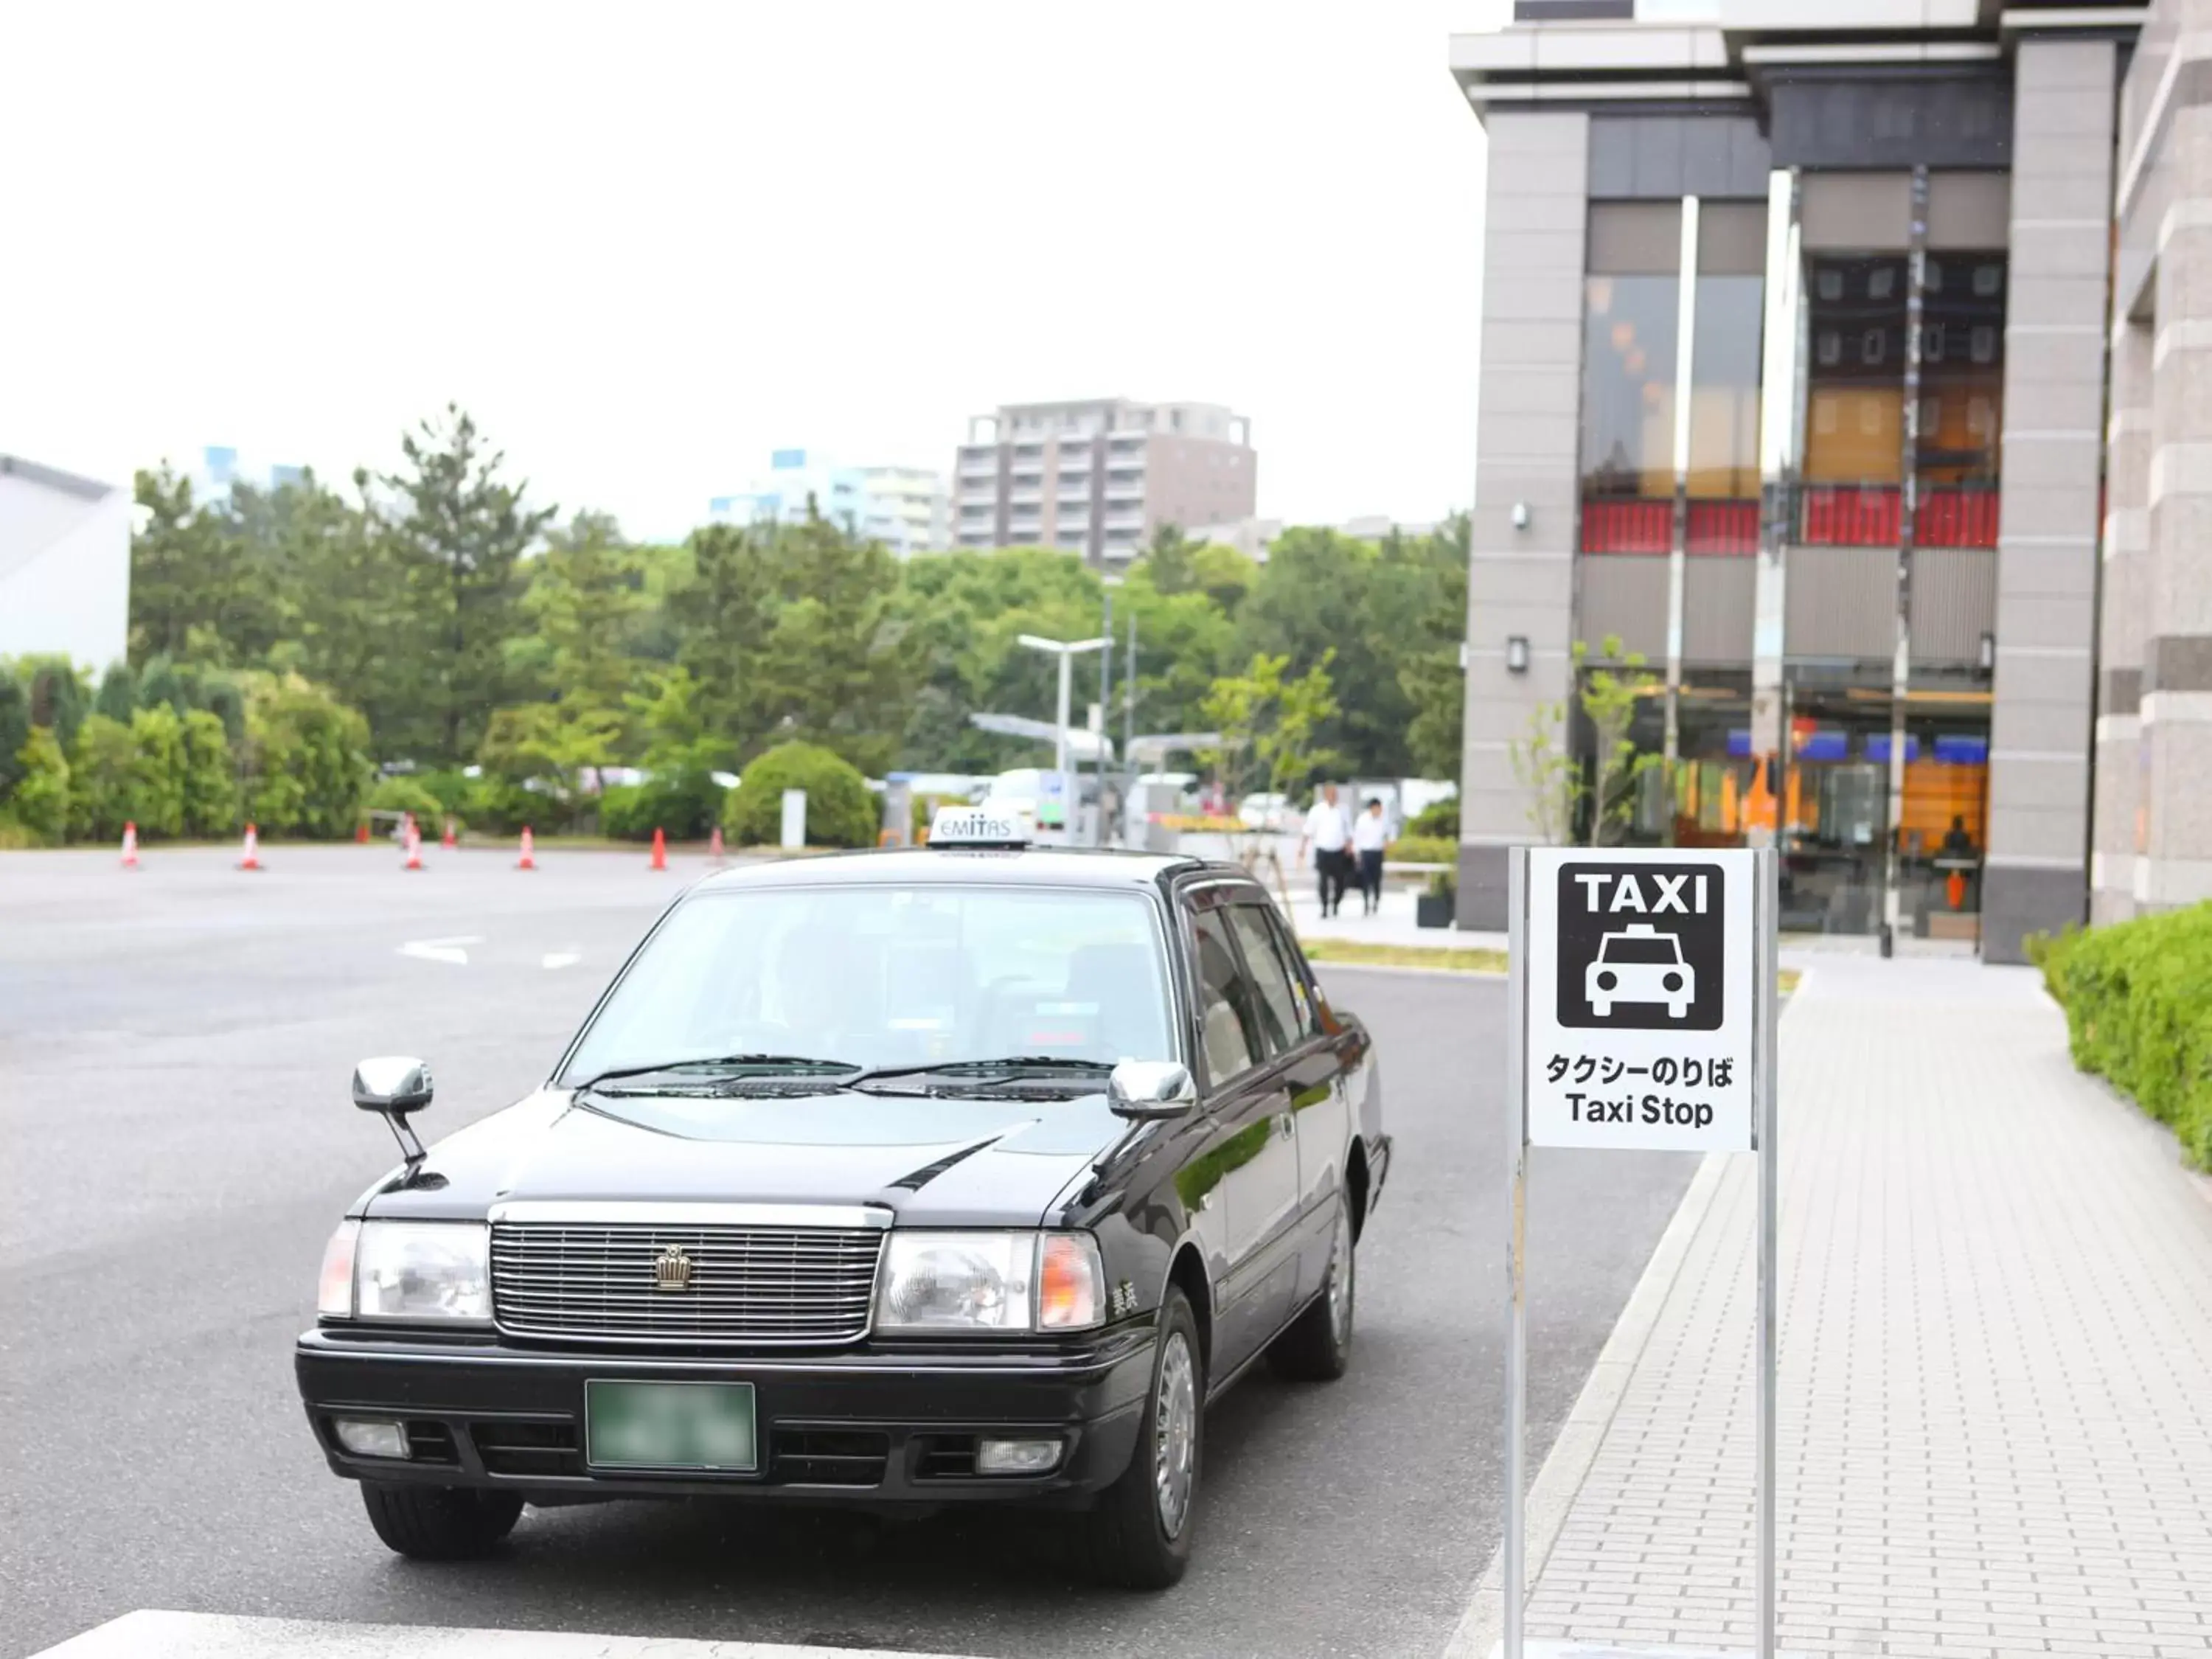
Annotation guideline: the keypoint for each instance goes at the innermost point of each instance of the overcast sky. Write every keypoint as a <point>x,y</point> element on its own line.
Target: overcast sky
<point>646,244</point>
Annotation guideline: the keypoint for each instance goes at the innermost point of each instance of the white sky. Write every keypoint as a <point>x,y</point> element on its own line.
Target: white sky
<point>646,244</point>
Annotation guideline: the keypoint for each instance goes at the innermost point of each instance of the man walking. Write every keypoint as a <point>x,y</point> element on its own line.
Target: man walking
<point>1369,834</point>
<point>1330,835</point>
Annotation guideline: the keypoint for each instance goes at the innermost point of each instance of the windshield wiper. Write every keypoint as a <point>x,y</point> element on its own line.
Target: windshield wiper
<point>722,1063</point>
<point>1007,1065</point>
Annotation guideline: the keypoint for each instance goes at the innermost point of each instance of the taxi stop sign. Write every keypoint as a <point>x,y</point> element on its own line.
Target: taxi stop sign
<point>1641,1018</point>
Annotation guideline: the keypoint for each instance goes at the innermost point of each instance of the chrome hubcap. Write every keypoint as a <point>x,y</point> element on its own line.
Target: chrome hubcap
<point>1339,1279</point>
<point>1174,1435</point>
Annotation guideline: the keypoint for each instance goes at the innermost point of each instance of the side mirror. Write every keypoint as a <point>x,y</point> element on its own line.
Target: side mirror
<point>392,1084</point>
<point>1151,1091</point>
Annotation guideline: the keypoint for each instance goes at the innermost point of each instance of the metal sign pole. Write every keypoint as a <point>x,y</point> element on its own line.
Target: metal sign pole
<point>1766,901</point>
<point>1516,1238</point>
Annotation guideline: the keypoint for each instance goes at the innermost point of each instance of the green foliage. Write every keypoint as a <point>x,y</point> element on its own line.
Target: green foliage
<point>57,695</point>
<point>401,794</point>
<point>1595,794</point>
<point>39,802</point>
<point>502,806</point>
<point>14,723</point>
<point>551,746</point>
<point>209,782</point>
<point>157,771</point>
<point>1424,849</point>
<point>118,698</point>
<point>1438,817</point>
<point>582,598</point>
<point>2137,1013</point>
<point>449,788</point>
<point>684,801</point>
<point>202,587</point>
<point>305,768</point>
<point>102,768</point>
<point>841,809</point>
<point>1270,724</point>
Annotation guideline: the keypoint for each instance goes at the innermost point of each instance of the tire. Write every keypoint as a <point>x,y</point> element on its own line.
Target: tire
<point>1131,1539</point>
<point>439,1523</point>
<point>1316,1346</point>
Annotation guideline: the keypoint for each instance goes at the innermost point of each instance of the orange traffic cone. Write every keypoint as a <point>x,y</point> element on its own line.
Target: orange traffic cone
<point>660,850</point>
<point>131,846</point>
<point>361,832</point>
<point>414,846</point>
<point>450,840</point>
<point>529,860</point>
<point>249,856</point>
<point>715,845</point>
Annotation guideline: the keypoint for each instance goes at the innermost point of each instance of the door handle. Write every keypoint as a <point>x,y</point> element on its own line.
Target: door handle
<point>1288,1124</point>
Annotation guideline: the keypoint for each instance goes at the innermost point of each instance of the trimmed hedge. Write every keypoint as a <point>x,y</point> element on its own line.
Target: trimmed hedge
<point>683,801</point>
<point>841,811</point>
<point>406,795</point>
<point>1439,818</point>
<point>1423,849</point>
<point>2138,1001</point>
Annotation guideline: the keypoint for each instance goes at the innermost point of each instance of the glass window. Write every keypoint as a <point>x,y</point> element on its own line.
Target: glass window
<point>1628,386</point>
<point>1282,1006</point>
<point>1856,383</point>
<point>1725,364</point>
<point>1230,1025</point>
<point>880,975</point>
<point>1961,368</point>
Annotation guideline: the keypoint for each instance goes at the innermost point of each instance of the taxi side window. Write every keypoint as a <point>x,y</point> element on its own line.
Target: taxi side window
<point>1230,1020</point>
<point>1282,1010</point>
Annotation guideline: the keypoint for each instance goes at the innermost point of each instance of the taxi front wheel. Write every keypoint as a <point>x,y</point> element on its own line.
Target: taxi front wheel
<point>1138,1536</point>
<point>439,1523</point>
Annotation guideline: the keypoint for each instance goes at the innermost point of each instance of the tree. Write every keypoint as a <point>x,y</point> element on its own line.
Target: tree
<point>460,532</point>
<point>1430,673</point>
<point>209,782</point>
<point>101,767</point>
<point>1592,796</point>
<point>117,697</point>
<point>157,771</point>
<point>583,594</point>
<point>551,744</point>
<point>1168,561</point>
<point>305,767</point>
<point>194,589</point>
<point>1270,726</point>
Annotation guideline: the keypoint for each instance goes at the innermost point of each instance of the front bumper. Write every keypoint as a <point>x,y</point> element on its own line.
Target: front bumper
<point>871,1427</point>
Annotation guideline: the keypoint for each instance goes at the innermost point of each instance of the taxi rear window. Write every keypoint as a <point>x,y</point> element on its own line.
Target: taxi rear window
<point>886,975</point>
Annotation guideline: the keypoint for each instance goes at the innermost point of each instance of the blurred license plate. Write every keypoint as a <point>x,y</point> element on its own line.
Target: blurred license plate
<point>669,1425</point>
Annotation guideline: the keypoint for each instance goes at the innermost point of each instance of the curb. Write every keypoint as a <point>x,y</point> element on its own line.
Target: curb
<point>1553,1493</point>
<point>1325,966</point>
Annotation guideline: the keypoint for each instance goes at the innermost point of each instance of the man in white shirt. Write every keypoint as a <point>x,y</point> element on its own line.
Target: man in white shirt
<point>1329,833</point>
<point>1369,834</point>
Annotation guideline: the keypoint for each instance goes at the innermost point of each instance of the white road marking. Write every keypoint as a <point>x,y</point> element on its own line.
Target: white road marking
<point>150,1635</point>
<point>562,958</point>
<point>442,950</point>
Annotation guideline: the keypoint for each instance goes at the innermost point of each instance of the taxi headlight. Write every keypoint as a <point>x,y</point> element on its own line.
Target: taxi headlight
<point>423,1270</point>
<point>993,1281</point>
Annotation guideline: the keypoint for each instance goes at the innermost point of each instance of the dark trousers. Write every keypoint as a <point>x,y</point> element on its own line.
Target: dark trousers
<point>1370,878</point>
<point>1331,870</point>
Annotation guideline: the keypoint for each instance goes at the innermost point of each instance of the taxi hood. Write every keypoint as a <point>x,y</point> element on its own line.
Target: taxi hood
<point>936,1160</point>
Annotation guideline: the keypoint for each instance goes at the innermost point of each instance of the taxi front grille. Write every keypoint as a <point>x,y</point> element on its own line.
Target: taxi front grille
<point>731,1285</point>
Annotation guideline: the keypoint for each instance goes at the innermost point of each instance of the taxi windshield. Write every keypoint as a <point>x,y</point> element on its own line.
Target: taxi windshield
<point>1639,947</point>
<point>881,975</point>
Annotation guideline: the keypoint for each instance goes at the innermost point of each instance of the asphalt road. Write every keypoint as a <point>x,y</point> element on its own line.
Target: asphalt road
<point>174,1049</point>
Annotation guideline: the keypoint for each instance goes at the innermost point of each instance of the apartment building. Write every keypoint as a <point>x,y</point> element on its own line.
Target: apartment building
<point>1099,476</point>
<point>909,509</point>
<point>904,507</point>
<point>1839,362</point>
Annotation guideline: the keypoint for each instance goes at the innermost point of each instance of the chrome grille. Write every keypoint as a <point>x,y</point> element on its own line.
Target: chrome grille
<point>747,1283</point>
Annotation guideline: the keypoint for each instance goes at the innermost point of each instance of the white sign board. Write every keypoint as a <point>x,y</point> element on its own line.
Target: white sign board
<point>794,819</point>
<point>1643,999</point>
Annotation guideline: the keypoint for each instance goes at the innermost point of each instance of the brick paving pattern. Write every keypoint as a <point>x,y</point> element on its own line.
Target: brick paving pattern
<point>1996,1428</point>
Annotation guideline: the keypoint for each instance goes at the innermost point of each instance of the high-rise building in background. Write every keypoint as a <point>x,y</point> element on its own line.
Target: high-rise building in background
<point>904,507</point>
<point>219,467</point>
<point>1099,476</point>
<point>1797,328</point>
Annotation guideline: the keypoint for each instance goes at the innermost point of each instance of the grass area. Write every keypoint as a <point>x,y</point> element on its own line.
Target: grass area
<point>1360,953</point>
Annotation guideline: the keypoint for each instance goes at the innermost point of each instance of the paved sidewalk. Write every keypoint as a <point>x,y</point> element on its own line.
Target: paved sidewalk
<point>1996,1428</point>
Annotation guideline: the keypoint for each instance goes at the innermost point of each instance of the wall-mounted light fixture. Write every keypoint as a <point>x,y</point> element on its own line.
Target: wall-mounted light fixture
<point>1988,655</point>
<point>1516,654</point>
<point>1520,515</point>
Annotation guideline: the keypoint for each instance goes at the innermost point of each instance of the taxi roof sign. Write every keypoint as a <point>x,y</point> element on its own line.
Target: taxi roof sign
<point>995,824</point>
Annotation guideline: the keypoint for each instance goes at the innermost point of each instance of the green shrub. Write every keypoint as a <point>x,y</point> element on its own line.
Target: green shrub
<point>2139,1013</point>
<point>451,788</point>
<point>620,814</point>
<point>500,806</point>
<point>841,811</point>
<point>39,802</point>
<point>1423,849</point>
<point>157,771</point>
<point>1439,818</point>
<point>306,769</point>
<point>210,780</point>
<point>408,795</point>
<point>102,765</point>
<point>682,801</point>
<point>14,723</point>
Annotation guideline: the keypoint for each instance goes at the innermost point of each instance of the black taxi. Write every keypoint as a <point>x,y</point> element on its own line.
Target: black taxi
<point>904,1179</point>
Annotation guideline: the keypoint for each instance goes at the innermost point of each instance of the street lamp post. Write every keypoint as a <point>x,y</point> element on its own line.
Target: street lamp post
<point>1065,650</point>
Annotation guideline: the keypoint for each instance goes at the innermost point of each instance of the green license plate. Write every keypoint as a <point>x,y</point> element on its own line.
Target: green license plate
<point>671,1425</point>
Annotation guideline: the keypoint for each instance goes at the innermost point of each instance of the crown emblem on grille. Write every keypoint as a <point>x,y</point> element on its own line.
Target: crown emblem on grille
<point>672,1270</point>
